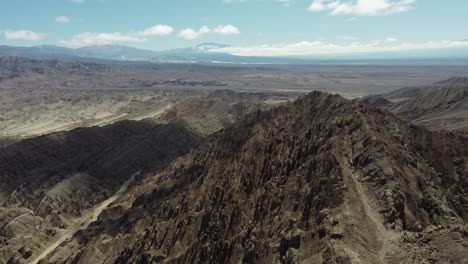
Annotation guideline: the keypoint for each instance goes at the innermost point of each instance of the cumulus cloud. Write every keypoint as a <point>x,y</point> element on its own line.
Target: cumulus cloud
<point>156,30</point>
<point>23,35</point>
<point>314,48</point>
<point>91,38</point>
<point>62,19</point>
<point>190,33</point>
<point>103,38</point>
<point>227,30</point>
<point>390,39</point>
<point>362,7</point>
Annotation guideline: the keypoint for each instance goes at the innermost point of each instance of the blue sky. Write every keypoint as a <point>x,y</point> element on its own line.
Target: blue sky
<point>251,27</point>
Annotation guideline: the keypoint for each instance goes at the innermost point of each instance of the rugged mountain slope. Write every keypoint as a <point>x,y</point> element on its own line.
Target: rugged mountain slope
<point>27,113</point>
<point>48,184</point>
<point>320,180</point>
<point>39,97</point>
<point>444,105</point>
<point>406,93</point>
<point>443,108</point>
<point>209,114</point>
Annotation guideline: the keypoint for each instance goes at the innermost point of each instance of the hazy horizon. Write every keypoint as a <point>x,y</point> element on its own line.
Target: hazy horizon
<point>270,28</point>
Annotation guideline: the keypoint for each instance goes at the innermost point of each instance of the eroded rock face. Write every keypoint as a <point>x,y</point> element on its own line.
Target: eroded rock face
<point>320,180</point>
<point>47,183</point>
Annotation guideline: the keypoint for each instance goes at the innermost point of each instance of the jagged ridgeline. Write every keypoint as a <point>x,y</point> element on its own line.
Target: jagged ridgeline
<point>318,180</point>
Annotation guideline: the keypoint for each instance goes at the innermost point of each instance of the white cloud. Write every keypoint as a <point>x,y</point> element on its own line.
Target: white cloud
<point>156,30</point>
<point>90,38</point>
<point>390,39</point>
<point>104,38</point>
<point>362,7</point>
<point>226,30</point>
<point>318,5</point>
<point>77,1</point>
<point>307,48</point>
<point>190,33</point>
<point>97,38</point>
<point>23,35</point>
<point>62,19</point>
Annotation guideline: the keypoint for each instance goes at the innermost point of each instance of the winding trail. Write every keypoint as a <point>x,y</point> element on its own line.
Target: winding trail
<point>384,235</point>
<point>84,221</point>
<point>15,219</point>
<point>360,197</point>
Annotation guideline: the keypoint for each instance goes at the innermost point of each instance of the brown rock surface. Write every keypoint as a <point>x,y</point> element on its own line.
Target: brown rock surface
<point>320,180</point>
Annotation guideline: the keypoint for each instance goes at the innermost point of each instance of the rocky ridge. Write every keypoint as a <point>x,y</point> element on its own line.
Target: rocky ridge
<point>320,180</point>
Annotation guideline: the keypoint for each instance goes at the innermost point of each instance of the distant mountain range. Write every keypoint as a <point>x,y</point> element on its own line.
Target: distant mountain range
<point>205,53</point>
<point>199,54</point>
